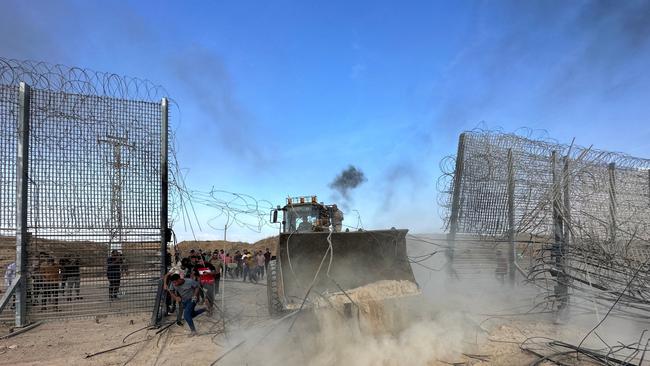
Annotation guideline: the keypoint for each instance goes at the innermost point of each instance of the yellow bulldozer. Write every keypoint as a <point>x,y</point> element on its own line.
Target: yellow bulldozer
<point>317,259</point>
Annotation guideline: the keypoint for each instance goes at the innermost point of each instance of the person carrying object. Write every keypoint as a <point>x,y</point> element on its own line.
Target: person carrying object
<point>208,279</point>
<point>188,294</point>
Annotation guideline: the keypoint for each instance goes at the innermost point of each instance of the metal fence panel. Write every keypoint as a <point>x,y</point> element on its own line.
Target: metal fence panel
<point>94,190</point>
<point>586,212</point>
<point>8,139</point>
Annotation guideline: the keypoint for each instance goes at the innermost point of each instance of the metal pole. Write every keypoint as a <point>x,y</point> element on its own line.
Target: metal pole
<point>22,176</point>
<point>566,180</point>
<point>558,250</point>
<point>164,183</point>
<point>164,201</point>
<point>455,201</point>
<point>611,170</point>
<point>511,218</point>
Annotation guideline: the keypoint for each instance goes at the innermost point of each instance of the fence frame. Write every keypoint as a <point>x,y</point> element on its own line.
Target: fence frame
<point>18,289</point>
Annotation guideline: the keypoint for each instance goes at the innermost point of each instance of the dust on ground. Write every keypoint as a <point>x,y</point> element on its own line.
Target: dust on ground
<point>243,333</point>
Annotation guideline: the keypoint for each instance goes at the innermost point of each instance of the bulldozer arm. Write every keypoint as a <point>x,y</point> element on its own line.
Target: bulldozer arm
<point>355,259</point>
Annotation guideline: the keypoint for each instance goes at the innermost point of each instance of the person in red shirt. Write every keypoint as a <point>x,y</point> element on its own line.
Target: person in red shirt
<point>209,277</point>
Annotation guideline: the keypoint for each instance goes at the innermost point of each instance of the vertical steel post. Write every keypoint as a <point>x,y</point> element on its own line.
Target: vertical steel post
<point>511,218</point>
<point>558,250</point>
<point>164,183</point>
<point>164,201</point>
<point>22,176</point>
<point>455,201</point>
<point>566,185</point>
<point>611,172</point>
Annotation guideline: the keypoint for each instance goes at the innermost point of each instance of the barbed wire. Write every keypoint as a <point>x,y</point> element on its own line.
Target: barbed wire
<point>75,80</point>
<point>601,198</point>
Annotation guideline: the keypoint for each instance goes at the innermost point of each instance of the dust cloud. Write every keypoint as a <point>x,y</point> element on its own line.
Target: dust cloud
<point>382,334</point>
<point>446,317</point>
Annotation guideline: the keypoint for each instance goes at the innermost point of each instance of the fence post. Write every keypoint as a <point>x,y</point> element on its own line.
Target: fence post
<point>22,176</point>
<point>611,172</point>
<point>558,250</point>
<point>566,179</point>
<point>511,218</point>
<point>455,202</point>
<point>164,201</point>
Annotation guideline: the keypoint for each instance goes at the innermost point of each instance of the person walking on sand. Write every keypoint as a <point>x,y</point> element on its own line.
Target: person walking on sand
<point>259,259</point>
<point>114,273</point>
<point>188,294</point>
<point>267,259</point>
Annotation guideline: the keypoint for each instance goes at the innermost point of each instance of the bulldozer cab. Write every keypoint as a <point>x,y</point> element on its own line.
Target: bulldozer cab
<point>301,218</point>
<point>304,214</point>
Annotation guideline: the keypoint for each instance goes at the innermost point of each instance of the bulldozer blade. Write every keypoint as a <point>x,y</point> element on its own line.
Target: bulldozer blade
<point>354,259</point>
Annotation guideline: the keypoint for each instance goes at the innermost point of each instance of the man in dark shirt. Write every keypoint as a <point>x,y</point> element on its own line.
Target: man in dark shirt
<point>114,273</point>
<point>239,261</point>
<point>71,276</point>
<point>267,259</point>
<point>187,266</point>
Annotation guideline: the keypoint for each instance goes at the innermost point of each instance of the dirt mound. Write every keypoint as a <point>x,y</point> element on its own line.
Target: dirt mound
<point>228,246</point>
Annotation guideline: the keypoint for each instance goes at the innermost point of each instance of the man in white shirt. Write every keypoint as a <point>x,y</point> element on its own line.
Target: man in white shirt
<point>10,274</point>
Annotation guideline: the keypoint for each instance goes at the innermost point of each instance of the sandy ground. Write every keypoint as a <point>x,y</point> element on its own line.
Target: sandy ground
<point>483,341</point>
<point>68,342</point>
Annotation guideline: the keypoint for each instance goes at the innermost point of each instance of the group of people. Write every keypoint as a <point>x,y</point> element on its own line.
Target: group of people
<point>252,265</point>
<point>50,279</point>
<point>196,280</point>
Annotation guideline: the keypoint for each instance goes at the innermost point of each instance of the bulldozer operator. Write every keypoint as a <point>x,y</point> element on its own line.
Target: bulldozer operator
<point>305,225</point>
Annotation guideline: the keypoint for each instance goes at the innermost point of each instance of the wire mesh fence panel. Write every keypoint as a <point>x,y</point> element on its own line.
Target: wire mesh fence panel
<point>8,139</point>
<point>94,190</point>
<point>7,258</point>
<point>94,204</point>
<point>588,210</point>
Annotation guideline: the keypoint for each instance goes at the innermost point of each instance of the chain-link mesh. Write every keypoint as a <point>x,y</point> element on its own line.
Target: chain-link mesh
<point>93,190</point>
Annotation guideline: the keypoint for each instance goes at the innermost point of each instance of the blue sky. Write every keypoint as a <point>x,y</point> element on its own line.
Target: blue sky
<point>276,98</point>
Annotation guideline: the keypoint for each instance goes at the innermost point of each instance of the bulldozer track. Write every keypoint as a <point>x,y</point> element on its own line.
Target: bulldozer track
<point>275,304</point>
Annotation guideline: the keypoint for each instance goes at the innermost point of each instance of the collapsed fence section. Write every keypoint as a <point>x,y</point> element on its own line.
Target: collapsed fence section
<point>84,198</point>
<point>586,213</point>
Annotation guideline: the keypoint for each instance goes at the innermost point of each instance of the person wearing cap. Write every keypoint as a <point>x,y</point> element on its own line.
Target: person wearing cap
<point>188,294</point>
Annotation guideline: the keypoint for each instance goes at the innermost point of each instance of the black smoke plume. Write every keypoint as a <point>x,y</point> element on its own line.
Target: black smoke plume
<point>347,180</point>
